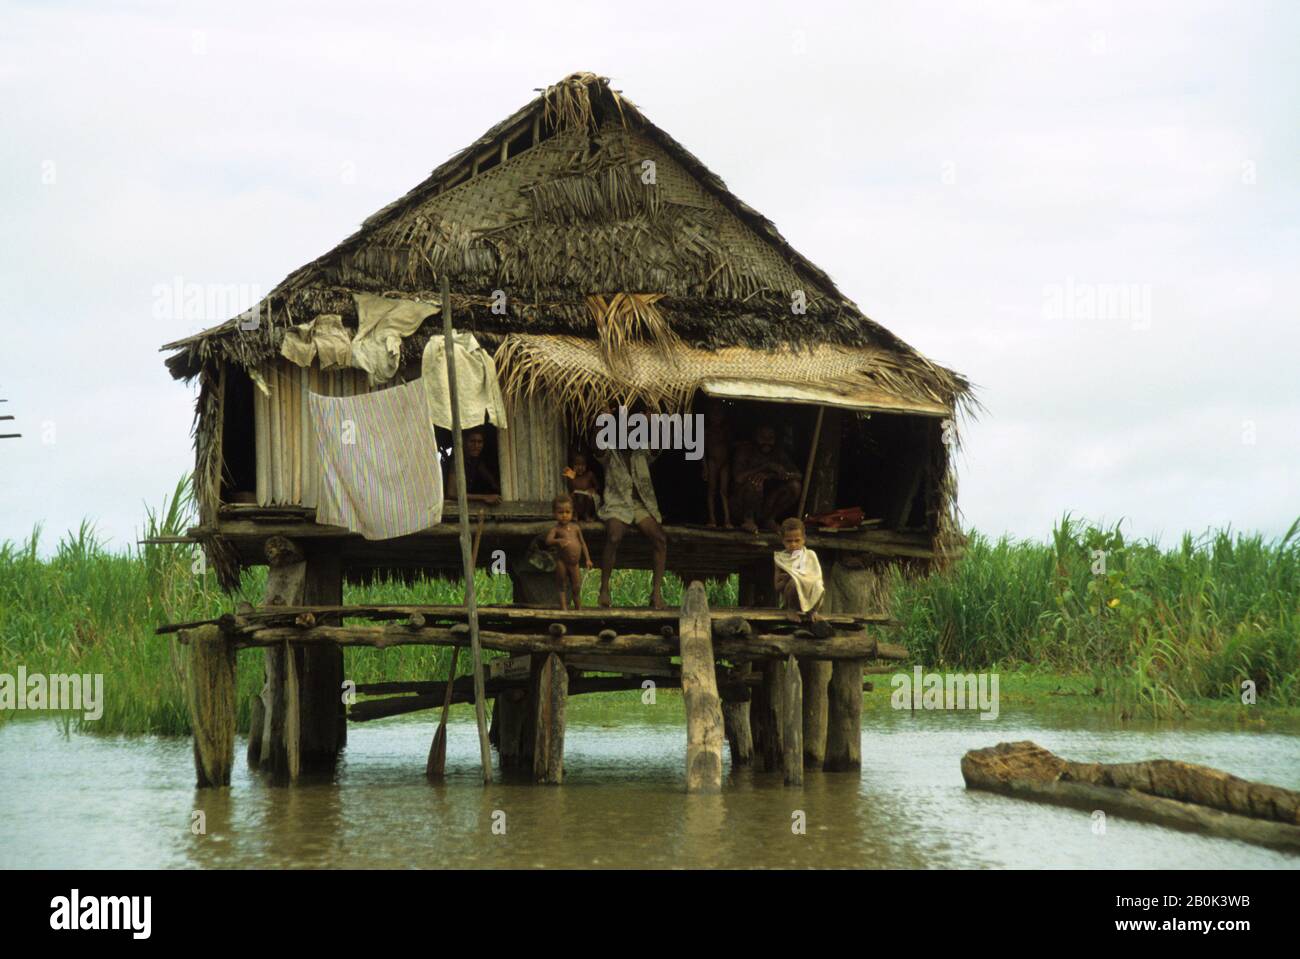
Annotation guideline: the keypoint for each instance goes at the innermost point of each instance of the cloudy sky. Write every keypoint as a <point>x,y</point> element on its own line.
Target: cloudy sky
<point>1092,210</point>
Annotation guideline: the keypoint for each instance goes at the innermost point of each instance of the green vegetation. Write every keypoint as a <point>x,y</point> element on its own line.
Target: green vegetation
<point>1154,629</point>
<point>1160,632</point>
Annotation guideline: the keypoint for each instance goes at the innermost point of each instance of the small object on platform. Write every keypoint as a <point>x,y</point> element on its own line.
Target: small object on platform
<point>667,632</point>
<point>607,635</point>
<point>848,517</point>
<point>556,629</point>
<point>460,629</point>
<point>417,620</point>
<point>305,619</point>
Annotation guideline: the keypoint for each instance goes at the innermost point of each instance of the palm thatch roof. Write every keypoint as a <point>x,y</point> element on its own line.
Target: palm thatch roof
<point>596,224</point>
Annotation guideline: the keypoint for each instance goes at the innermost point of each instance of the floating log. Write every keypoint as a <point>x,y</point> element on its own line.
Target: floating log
<point>210,689</point>
<point>792,722</point>
<point>552,696</point>
<point>704,733</point>
<point>1170,793</point>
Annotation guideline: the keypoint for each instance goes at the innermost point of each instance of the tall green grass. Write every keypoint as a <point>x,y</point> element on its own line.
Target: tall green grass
<point>1157,628</point>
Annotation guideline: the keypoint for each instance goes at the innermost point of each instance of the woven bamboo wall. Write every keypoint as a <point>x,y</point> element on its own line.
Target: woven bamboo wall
<point>287,469</point>
<point>533,452</point>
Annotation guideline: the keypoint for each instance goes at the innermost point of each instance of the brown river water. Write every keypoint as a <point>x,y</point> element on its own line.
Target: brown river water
<point>80,801</point>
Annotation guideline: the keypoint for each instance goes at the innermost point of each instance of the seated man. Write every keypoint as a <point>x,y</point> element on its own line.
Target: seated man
<point>765,483</point>
<point>480,482</point>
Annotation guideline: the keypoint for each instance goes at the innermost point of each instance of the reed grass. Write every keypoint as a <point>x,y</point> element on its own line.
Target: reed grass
<point>1157,628</point>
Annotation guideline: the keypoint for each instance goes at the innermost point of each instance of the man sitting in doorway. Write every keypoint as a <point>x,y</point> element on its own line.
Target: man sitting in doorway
<point>630,501</point>
<point>480,482</point>
<point>765,483</point>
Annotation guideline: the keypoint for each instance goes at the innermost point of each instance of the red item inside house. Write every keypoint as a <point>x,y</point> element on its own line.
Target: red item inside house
<point>845,518</point>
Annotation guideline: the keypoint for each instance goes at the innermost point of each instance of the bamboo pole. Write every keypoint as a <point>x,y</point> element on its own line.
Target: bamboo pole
<point>467,562</point>
<point>812,456</point>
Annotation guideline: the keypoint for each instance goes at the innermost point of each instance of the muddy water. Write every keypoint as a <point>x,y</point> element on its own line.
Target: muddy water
<point>84,801</point>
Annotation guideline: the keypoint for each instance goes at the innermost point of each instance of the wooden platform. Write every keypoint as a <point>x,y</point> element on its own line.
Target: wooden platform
<point>509,527</point>
<point>740,634</point>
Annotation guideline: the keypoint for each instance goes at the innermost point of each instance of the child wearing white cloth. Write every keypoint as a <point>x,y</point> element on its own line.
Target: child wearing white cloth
<point>798,577</point>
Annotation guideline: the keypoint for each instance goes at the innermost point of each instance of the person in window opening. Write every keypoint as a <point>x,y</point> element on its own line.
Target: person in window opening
<point>480,482</point>
<point>765,482</point>
<point>630,500</point>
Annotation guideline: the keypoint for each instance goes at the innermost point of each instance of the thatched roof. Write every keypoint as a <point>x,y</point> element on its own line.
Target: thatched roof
<point>552,206</point>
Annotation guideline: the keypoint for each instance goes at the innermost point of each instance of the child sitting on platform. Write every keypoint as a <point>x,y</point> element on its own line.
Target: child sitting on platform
<point>798,578</point>
<point>566,539</point>
<point>583,487</point>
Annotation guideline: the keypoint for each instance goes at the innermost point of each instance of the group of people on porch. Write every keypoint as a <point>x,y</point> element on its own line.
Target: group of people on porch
<point>755,480</point>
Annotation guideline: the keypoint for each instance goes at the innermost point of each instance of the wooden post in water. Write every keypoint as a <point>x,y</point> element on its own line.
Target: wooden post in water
<point>210,689</point>
<point>735,723</point>
<point>511,715</point>
<point>320,669</point>
<point>467,562</point>
<point>281,740</point>
<point>765,712</point>
<point>704,732</point>
<point>853,590</point>
<point>815,676</point>
<point>792,722</point>
<point>552,697</point>
<point>283,759</point>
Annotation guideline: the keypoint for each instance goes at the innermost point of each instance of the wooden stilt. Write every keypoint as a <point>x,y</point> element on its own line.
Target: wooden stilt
<point>765,716</point>
<point>700,693</point>
<point>320,671</point>
<point>211,694</point>
<point>286,581</point>
<point>284,757</point>
<point>815,676</point>
<point>552,696</point>
<point>844,712</point>
<point>511,714</point>
<point>792,722</point>
<point>735,721</point>
<point>849,590</point>
<point>256,722</point>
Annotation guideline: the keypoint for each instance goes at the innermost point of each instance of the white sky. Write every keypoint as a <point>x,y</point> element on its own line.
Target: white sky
<point>954,168</point>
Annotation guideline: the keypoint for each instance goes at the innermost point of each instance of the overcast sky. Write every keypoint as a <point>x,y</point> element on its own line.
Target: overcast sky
<point>1091,210</point>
